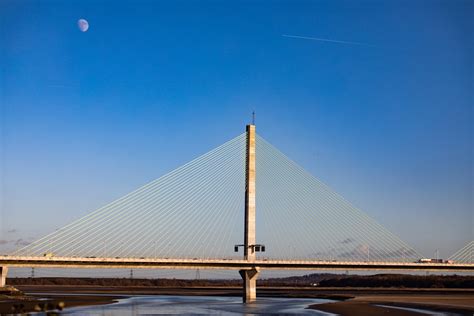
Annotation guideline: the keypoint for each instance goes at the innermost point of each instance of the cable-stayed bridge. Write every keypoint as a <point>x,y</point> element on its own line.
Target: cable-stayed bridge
<point>191,218</point>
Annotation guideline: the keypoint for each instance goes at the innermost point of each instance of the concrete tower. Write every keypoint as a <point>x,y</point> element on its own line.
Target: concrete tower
<point>249,237</point>
<point>249,276</point>
<point>3,275</point>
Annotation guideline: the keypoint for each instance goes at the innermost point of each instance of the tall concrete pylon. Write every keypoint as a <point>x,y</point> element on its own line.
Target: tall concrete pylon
<point>3,276</point>
<point>249,232</point>
<point>249,276</point>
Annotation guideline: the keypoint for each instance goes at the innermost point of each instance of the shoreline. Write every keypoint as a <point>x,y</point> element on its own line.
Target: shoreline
<point>358,308</point>
<point>348,301</point>
<point>401,304</point>
<point>33,303</point>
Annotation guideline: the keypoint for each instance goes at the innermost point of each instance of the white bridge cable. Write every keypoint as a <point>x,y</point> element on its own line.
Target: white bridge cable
<point>186,198</point>
<point>279,181</point>
<point>197,211</point>
<point>219,211</point>
<point>149,196</point>
<point>332,204</point>
<point>288,184</point>
<point>464,255</point>
<point>112,207</point>
<point>296,192</point>
<point>289,205</point>
<point>218,173</point>
<point>169,193</point>
<point>147,239</point>
<point>183,199</point>
<point>169,213</point>
<point>81,228</point>
<point>207,221</point>
<point>114,204</point>
<point>283,222</point>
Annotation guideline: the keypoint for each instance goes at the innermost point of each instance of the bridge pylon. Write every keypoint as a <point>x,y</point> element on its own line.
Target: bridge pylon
<point>249,276</point>
<point>250,284</point>
<point>3,276</point>
<point>249,230</point>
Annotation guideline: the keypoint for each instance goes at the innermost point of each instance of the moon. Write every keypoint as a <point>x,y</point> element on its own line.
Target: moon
<point>83,25</point>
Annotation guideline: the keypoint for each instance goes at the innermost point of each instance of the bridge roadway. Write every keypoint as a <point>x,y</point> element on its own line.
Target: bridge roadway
<point>224,264</point>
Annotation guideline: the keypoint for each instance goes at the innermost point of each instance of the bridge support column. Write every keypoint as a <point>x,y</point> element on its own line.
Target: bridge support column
<point>250,284</point>
<point>3,276</point>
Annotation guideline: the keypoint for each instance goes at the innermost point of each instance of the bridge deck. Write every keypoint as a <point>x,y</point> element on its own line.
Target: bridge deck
<point>224,264</point>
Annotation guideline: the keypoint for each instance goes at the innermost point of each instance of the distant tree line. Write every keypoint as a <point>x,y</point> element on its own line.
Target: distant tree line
<point>313,280</point>
<point>305,280</point>
<point>401,280</point>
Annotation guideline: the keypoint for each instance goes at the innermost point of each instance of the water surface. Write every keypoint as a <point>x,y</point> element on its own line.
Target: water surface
<point>204,305</point>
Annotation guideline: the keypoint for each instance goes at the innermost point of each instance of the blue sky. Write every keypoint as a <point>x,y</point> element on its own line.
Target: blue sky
<point>88,117</point>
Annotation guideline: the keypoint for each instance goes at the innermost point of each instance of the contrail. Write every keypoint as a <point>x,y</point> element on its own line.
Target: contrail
<point>326,40</point>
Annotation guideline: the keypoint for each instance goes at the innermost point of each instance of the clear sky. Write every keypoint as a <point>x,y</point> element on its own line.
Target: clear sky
<point>387,121</point>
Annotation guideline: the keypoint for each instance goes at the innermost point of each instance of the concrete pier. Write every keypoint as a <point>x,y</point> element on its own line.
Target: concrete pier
<point>250,284</point>
<point>249,276</point>
<point>3,276</point>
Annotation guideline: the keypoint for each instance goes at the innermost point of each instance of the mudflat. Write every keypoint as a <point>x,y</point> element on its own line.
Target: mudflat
<point>33,303</point>
<point>349,301</point>
<point>458,303</point>
<point>360,309</point>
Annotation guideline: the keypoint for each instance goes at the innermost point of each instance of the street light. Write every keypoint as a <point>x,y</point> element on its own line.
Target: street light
<point>256,247</point>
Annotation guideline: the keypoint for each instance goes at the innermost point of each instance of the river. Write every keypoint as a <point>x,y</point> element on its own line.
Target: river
<point>204,305</point>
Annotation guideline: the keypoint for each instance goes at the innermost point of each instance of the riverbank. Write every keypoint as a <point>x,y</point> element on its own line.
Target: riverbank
<point>350,301</point>
<point>264,291</point>
<point>35,303</point>
<point>397,304</point>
